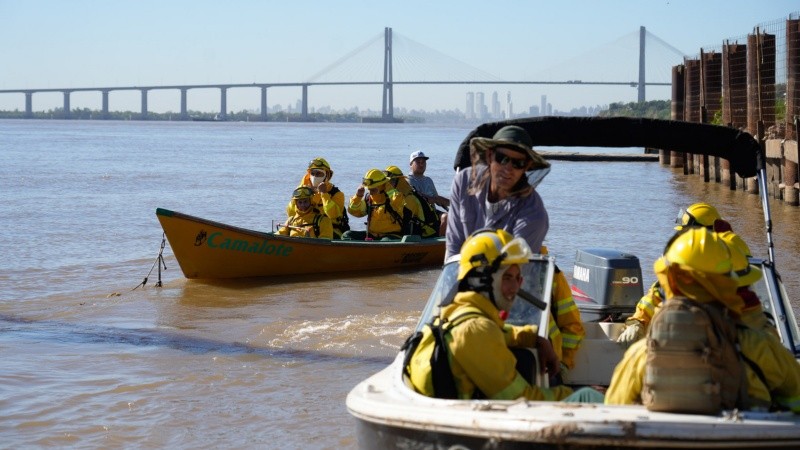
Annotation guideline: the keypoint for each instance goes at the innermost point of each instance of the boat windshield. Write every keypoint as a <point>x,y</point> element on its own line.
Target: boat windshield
<point>536,287</point>
<point>771,292</point>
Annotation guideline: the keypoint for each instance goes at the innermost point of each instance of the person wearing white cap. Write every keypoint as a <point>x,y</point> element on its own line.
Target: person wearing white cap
<point>424,184</point>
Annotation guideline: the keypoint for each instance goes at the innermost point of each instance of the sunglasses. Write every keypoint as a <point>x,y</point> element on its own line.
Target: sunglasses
<point>317,173</point>
<point>503,160</point>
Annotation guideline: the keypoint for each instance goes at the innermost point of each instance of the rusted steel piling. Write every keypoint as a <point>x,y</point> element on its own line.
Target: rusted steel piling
<point>753,87</point>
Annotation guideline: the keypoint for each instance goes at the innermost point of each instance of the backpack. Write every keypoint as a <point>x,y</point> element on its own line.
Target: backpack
<point>429,355</point>
<point>693,364</point>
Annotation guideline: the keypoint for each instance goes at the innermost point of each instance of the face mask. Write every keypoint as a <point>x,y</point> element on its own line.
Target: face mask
<point>316,181</point>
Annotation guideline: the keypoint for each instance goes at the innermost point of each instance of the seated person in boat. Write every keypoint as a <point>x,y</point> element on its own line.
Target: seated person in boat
<point>424,185</point>
<point>306,221</point>
<point>702,215</point>
<point>565,329</point>
<point>495,191</point>
<point>697,265</point>
<point>327,198</point>
<point>478,341</point>
<point>419,217</point>
<point>382,206</point>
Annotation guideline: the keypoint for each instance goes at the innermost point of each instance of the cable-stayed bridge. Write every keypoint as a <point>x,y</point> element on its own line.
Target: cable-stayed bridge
<point>638,59</point>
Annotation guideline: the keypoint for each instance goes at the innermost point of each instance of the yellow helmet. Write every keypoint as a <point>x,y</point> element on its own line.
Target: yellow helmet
<point>746,273</point>
<point>698,214</point>
<point>319,163</point>
<point>374,178</point>
<point>491,249</point>
<point>393,172</point>
<point>302,192</point>
<point>699,249</point>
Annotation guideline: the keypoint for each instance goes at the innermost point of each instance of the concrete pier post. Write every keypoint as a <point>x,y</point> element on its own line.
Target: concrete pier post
<point>760,91</point>
<point>264,103</point>
<point>66,104</point>
<point>676,109</point>
<point>105,113</point>
<point>184,109</point>
<point>144,104</point>
<point>711,100</point>
<point>734,97</point>
<point>790,165</point>
<point>692,107</point>
<point>223,103</point>
<point>29,105</point>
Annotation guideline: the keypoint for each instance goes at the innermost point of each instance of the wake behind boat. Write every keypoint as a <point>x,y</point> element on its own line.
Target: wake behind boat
<point>208,249</point>
<point>391,414</point>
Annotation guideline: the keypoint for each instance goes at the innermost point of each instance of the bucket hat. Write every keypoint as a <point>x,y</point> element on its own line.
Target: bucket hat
<point>513,137</point>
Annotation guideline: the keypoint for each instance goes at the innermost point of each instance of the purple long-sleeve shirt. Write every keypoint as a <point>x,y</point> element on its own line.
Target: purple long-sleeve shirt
<point>523,217</point>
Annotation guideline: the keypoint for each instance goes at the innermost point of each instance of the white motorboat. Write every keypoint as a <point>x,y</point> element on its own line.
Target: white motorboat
<point>390,414</point>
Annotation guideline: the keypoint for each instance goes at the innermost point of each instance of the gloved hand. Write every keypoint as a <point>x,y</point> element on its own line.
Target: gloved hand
<point>634,330</point>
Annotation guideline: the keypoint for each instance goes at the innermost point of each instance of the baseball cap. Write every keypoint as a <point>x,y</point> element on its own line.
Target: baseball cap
<point>415,155</point>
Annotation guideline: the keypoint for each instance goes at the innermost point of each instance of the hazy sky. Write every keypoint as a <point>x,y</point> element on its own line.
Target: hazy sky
<point>85,43</point>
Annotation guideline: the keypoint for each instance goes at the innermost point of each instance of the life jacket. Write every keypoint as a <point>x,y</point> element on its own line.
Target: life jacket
<point>409,224</point>
<point>427,356</point>
<point>342,223</point>
<point>314,223</point>
<point>693,364</point>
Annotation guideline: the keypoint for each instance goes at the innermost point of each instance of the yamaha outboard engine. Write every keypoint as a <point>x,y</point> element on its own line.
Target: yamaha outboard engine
<point>606,284</point>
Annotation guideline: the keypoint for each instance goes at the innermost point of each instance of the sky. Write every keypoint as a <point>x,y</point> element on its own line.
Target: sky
<point>99,43</point>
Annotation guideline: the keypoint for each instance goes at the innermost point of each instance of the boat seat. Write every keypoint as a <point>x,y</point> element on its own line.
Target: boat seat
<point>597,355</point>
<point>411,238</point>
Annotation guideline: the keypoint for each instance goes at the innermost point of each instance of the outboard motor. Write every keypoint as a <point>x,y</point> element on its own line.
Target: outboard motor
<point>606,284</point>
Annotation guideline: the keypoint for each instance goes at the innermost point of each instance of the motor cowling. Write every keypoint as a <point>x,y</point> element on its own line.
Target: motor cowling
<point>606,284</point>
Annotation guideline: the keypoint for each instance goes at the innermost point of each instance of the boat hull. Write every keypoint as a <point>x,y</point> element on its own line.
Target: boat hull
<point>212,250</point>
<point>391,415</point>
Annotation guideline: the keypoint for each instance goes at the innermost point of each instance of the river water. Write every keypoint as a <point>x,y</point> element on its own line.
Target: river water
<point>90,362</point>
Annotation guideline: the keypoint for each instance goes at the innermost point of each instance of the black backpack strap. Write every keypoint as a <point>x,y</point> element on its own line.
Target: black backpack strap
<point>444,386</point>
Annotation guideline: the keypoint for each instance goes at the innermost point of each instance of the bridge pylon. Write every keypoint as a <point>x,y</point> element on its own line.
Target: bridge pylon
<point>387,112</point>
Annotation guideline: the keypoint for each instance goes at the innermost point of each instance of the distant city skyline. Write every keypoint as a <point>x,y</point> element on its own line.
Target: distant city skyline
<point>85,43</point>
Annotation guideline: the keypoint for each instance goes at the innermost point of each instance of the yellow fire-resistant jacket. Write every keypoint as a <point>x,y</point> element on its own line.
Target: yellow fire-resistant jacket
<point>330,205</point>
<point>415,207</point>
<point>566,332</point>
<point>480,358</point>
<point>380,222</point>
<point>646,307</point>
<point>781,383</point>
<point>303,225</point>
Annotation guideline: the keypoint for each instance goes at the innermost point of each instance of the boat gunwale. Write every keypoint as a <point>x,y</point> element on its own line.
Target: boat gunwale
<point>423,242</point>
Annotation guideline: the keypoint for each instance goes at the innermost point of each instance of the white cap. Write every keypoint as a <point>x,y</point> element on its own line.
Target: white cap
<point>415,155</point>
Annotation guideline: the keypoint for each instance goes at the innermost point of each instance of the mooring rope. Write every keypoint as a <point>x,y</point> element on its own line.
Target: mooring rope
<point>159,261</point>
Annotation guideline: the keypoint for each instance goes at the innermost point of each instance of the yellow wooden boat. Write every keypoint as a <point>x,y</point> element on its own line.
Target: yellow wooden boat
<point>208,249</point>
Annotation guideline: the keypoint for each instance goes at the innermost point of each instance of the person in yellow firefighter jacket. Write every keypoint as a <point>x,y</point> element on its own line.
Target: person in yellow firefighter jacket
<point>746,274</point>
<point>327,198</point>
<point>696,215</point>
<point>383,208</point>
<point>478,342</point>
<point>417,222</point>
<point>697,264</point>
<point>306,221</point>
<point>566,332</point>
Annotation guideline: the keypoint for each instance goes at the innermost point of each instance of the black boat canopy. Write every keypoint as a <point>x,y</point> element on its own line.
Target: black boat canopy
<point>738,147</point>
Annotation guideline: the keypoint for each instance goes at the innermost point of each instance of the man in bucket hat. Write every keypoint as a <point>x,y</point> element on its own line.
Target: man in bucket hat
<point>495,191</point>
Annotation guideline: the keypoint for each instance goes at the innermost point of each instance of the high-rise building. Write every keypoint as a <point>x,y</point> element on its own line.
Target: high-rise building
<point>543,109</point>
<point>509,106</point>
<point>470,105</point>
<point>495,106</point>
<point>480,106</point>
